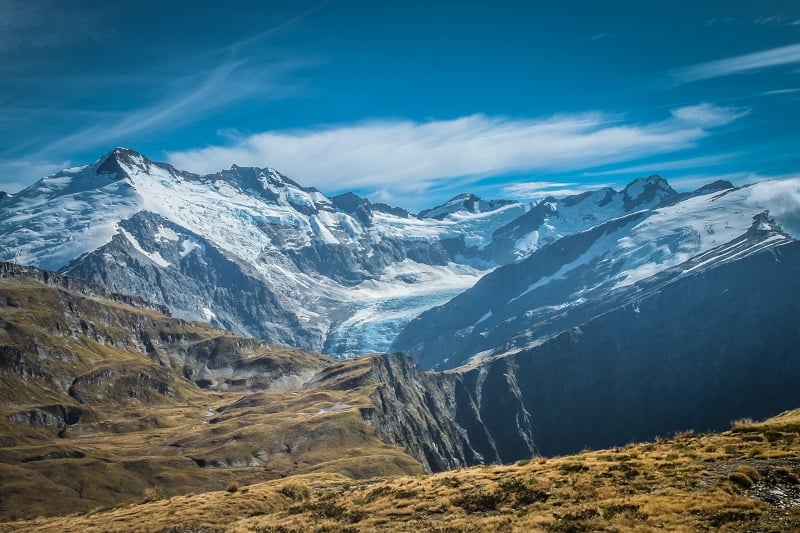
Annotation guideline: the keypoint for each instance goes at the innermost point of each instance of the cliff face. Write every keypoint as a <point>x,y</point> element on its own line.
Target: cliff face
<point>442,419</point>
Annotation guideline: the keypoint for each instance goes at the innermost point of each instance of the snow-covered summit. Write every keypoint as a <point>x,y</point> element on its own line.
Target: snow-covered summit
<point>585,273</point>
<point>464,202</point>
<point>142,221</point>
<point>647,192</point>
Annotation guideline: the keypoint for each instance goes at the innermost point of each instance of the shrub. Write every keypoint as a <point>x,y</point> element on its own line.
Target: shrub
<point>750,472</point>
<point>567,468</point>
<point>153,494</point>
<point>786,474</point>
<point>477,501</point>
<point>740,479</point>
<point>296,491</point>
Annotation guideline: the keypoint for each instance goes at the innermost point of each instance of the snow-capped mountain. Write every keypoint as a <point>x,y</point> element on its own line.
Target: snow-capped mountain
<point>551,218</point>
<point>615,263</point>
<point>249,249</point>
<point>252,251</point>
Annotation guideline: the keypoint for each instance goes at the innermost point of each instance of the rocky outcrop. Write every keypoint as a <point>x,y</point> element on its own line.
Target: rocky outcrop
<point>78,285</point>
<point>91,346</point>
<point>440,418</point>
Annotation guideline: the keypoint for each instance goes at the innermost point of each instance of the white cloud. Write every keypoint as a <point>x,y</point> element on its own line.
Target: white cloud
<point>188,98</point>
<point>661,166</point>
<point>783,197</point>
<point>708,115</point>
<point>534,190</point>
<point>404,156</point>
<point>14,170</point>
<point>780,91</point>
<point>733,65</point>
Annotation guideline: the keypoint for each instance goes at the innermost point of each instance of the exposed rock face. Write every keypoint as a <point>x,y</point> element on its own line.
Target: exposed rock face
<point>58,329</point>
<point>12,270</point>
<point>192,277</point>
<point>439,418</point>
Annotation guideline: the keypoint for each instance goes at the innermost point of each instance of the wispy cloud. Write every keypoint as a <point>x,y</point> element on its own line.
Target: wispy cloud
<point>27,167</point>
<point>708,115</point>
<point>173,95</point>
<point>733,65</point>
<point>601,36</point>
<point>780,91</point>
<point>687,182</point>
<point>405,157</point>
<point>661,166</point>
<point>186,99</point>
<point>39,24</point>
<point>535,190</point>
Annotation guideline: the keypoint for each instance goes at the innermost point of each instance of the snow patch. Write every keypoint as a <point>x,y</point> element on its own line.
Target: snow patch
<point>166,234</point>
<point>484,318</point>
<point>155,257</point>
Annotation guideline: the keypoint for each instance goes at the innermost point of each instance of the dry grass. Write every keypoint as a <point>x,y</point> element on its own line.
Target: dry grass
<point>686,483</point>
<point>153,452</point>
<point>144,431</point>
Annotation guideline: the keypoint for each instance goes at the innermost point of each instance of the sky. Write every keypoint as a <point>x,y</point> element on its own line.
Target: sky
<point>408,102</point>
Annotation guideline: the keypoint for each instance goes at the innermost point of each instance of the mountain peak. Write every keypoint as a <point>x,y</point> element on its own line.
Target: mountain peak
<point>719,185</point>
<point>120,161</point>
<point>647,192</point>
<point>463,202</point>
<point>763,223</point>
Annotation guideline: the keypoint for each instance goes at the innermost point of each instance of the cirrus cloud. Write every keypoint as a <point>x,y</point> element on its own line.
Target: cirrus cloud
<point>406,156</point>
<point>783,55</point>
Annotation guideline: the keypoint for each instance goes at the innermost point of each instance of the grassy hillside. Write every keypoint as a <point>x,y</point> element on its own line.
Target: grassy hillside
<point>102,402</point>
<point>746,479</point>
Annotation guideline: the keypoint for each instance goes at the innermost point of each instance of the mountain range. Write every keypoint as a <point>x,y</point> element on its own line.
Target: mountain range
<point>251,251</point>
<point>519,330</point>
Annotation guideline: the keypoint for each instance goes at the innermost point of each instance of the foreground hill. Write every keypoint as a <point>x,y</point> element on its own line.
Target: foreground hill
<point>745,479</point>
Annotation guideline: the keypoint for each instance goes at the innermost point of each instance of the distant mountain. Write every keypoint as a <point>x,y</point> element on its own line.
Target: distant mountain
<point>579,276</point>
<point>248,249</point>
<point>254,252</point>
<point>551,218</point>
<point>464,203</point>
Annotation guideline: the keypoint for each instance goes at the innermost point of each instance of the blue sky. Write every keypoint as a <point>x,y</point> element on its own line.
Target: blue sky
<point>407,102</point>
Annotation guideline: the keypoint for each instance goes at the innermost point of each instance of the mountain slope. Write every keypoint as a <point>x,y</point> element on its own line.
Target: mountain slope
<point>745,479</point>
<point>306,264</point>
<point>710,347</point>
<point>252,251</point>
<point>582,275</point>
<point>103,397</point>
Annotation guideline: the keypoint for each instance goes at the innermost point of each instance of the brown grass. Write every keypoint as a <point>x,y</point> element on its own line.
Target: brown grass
<point>184,459</point>
<point>684,484</point>
<point>146,432</point>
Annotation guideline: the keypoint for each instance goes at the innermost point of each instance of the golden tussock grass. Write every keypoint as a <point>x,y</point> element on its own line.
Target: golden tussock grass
<point>687,483</point>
